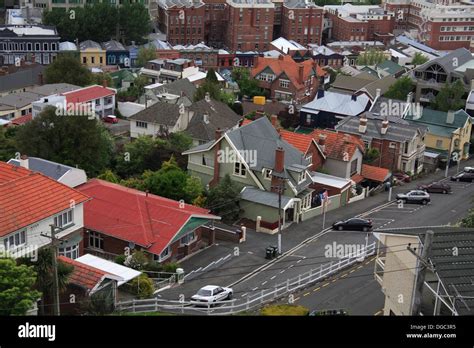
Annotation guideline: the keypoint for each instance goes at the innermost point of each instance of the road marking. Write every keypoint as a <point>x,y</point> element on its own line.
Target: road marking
<point>265,282</point>
<point>282,271</point>
<point>273,277</point>
<point>317,289</point>
<point>296,299</point>
<point>344,275</point>
<point>290,266</point>
<point>334,280</point>
<point>255,288</point>
<point>368,262</point>
<point>308,293</point>
<point>379,312</point>
<point>250,252</point>
<point>352,271</point>
<point>325,285</point>
<point>359,267</point>
<point>299,261</point>
<point>243,295</point>
<point>300,256</point>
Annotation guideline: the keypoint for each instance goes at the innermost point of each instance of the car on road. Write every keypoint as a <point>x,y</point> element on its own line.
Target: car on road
<point>354,224</point>
<point>464,176</point>
<point>414,196</point>
<point>111,119</point>
<point>211,294</point>
<point>469,169</point>
<point>402,177</point>
<point>435,187</point>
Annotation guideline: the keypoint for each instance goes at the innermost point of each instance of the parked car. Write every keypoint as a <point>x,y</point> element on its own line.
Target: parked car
<point>414,196</point>
<point>469,169</point>
<point>435,187</point>
<point>469,177</point>
<point>111,119</point>
<point>402,177</point>
<point>211,294</point>
<point>357,224</point>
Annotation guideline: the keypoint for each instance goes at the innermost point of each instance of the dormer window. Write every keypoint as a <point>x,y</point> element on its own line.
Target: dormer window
<point>301,177</point>
<point>267,174</point>
<point>239,169</point>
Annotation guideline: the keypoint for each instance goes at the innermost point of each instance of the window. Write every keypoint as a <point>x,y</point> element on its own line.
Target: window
<point>354,166</point>
<point>15,240</point>
<point>392,145</point>
<point>71,252</point>
<point>96,240</point>
<point>188,239</point>
<point>84,60</point>
<point>284,83</point>
<point>306,201</point>
<point>165,254</point>
<point>64,219</point>
<point>141,124</point>
<point>45,47</point>
<point>301,177</point>
<point>93,60</point>
<point>439,143</point>
<point>267,174</point>
<point>239,169</point>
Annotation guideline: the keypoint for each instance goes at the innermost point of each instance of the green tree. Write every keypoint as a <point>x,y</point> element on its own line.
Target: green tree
<point>7,144</point>
<point>223,200</point>
<point>146,54</point>
<point>449,97</point>
<point>17,294</point>
<point>109,176</point>
<point>99,78</point>
<point>371,155</point>
<point>68,69</point>
<point>468,221</point>
<point>208,87</point>
<point>139,155</point>
<point>71,140</point>
<point>211,76</point>
<point>134,19</point>
<point>370,57</point>
<point>419,59</point>
<point>400,88</point>
<point>180,141</point>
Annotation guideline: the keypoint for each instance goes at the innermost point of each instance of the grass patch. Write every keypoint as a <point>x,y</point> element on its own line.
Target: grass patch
<point>292,310</point>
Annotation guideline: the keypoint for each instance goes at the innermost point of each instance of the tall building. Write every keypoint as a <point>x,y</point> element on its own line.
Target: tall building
<point>302,21</point>
<point>215,22</point>
<point>250,25</point>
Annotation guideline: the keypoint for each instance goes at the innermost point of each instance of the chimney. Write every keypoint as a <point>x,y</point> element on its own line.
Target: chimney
<point>279,160</point>
<point>104,83</point>
<point>322,141</point>
<point>208,97</point>
<point>40,79</point>
<point>320,93</point>
<point>301,73</point>
<point>206,118</point>
<point>450,117</point>
<point>384,128</point>
<point>274,121</point>
<point>217,148</point>
<point>24,162</point>
<point>362,124</point>
<point>281,57</point>
<point>377,93</point>
<point>354,97</point>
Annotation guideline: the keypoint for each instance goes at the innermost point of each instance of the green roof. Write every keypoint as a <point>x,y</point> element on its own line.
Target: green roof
<point>121,75</point>
<point>370,71</point>
<point>436,121</point>
<point>190,226</point>
<point>390,67</point>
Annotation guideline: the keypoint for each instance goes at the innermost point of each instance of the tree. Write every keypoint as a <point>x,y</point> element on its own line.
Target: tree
<point>17,294</point>
<point>71,140</point>
<point>211,76</point>
<point>449,97</point>
<point>400,89</point>
<point>139,155</point>
<point>68,69</point>
<point>207,87</point>
<point>134,20</point>
<point>109,176</point>
<point>247,85</point>
<point>419,59</point>
<point>99,78</point>
<point>468,221</point>
<point>145,54</point>
<point>223,200</point>
<point>371,155</point>
<point>7,143</point>
<point>370,57</point>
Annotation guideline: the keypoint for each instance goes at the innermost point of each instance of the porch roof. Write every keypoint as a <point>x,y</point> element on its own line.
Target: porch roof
<point>267,198</point>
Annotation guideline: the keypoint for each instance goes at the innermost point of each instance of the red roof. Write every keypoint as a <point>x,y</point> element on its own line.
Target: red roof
<point>375,173</point>
<point>298,140</point>
<point>83,275</point>
<point>357,178</point>
<point>22,119</point>
<point>337,144</point>
<point>27,197</point>
<point>87,94</point>
<point>127,214</point>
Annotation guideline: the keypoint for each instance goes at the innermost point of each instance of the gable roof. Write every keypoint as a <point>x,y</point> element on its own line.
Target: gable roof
<point>177,87</point>
<point>393,109</point>
<point>161,113</point>
<point>375,173</point>
<point>352,83</point>
<point>220,116</point>
<point>147,220</point>
<point>461,54</point>
<point>383,84</point>
<point>51,169</point>
<point>432,117</point>
<point>339,143</point>
<point>21,77</point>
<point>27,197</point>
<point>88,93</point>
<point>390,67</point>
<point>338,103</point>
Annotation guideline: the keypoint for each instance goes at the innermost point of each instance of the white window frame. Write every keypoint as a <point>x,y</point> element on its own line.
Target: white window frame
<point>167,252</point>
<point>65,219</point>
<point>71,252</point>
<point>267,174</point>
<point>186,240</point>
<point>284,83</point>
<point>392,145</point>
<point>242,171</point>
<point>97,239</point>
<point>15,240</point>
<point>141,124</point>
<point>301,177</point>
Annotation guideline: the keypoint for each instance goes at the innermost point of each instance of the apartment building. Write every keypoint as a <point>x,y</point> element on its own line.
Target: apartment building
<point>302,22</point>
<point>66,4</point>
<point>439,24</point>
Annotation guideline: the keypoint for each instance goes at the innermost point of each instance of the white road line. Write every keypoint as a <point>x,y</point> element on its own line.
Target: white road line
<point>265,282</point>
<point>255,288</point>
<point>282,271</point>
<point>291,266</point>
<point>299,261</point>
<point>273,277</point>
<point>243,295</point>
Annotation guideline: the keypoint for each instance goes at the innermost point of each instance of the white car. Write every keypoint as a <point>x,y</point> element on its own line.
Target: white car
<point>469,169</point>
<point>210,294</point>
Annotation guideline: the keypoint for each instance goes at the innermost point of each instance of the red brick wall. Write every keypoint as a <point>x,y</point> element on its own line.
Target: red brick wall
<point>318,159</point>
<point>389,158</point>
<point>184,25</point>
<point>216,22</point>
<point>294,29</point>
<point>343,30</point>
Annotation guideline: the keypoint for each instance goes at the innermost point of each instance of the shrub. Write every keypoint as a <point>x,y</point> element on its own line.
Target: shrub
<point>153,266</point>
<point>137,260</point>
<point>171,267</point>
<point>142,286</point>
<point>292,310</point>
<point>120,259</point>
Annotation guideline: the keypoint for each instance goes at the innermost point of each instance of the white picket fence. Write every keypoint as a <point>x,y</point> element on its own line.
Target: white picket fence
<point>253,301</point>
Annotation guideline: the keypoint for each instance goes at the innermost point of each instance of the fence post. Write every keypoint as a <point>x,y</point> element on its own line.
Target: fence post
<point>156,305</point>
<point>248,304</point>
<point>320,271</point>
<point>299,279</point>
<point>276,292</point>
<point>133,303</point>
<point>287,285</point>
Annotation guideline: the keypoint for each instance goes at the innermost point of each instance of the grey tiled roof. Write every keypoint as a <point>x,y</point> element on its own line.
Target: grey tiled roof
<point>176,87</point>
<point>54,88</point>
<point>21,79</point>
<point>113,45</point>
<point>461,54</point>
<point>160,113</point>
<point>266,198</point>
<point>52,169</point>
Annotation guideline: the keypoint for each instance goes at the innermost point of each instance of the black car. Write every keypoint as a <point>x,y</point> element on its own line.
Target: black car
<point>469,177</point>
<point>435,187</point>
<point>356,224</point>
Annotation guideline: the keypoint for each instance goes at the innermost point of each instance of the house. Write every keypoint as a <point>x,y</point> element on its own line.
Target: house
<point>15,79</point>
<point>286,79</point>
<point>324,56</point>
<point>351,84</point>
<point>116,54</point>
<point>448,132</point>
<point>30,202</point>
<point>258,161</point>
<point>168,70</point>
<point>388,67</point>
<point>69,48</point>
<point>172,92</point>
<point>328,108</point>
<point>447,288</point>
<point>159,119</point>
<point>133,50</point>
<point>118,217</point>
<point>400,145</point>
<point>100,98</point>
<point>123,79</point>
<point>208,116</point>
<point>434,74</point>
<point>373,89</point>
<point>84,283</point>
<point>66,175</point>
<point>92,54</point>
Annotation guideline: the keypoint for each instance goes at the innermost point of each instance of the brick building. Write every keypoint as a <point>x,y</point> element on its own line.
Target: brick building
<point>440,24</point>
<point>182,21</point>
<point>302,22</point>
<point>217,12</point>
<point>250,25</point>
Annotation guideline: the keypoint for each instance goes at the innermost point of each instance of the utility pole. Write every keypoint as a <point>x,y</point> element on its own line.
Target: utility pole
<point>421,272</point>
<point>54,248</point>
<point>281,188</point>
